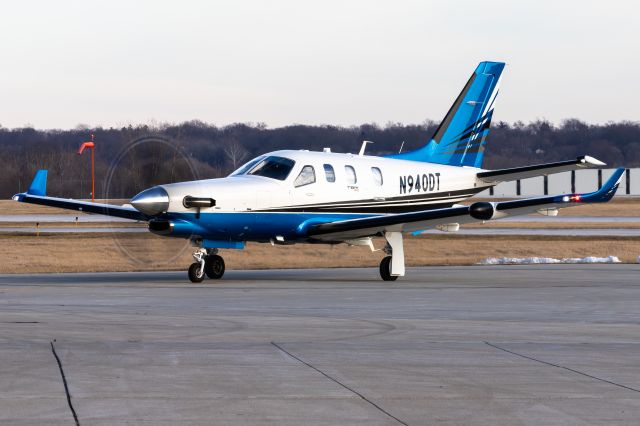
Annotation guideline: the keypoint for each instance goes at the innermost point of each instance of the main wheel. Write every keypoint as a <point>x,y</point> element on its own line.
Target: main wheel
<point>214,266</point>
<point>385,270</point>
<point>196,274</point>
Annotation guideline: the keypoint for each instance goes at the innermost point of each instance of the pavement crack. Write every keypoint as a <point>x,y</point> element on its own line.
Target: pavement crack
<point>66,386</point>
<point>562,367</point>
<point>364,398</point>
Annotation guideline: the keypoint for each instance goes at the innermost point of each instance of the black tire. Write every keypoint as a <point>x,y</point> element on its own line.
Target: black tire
<point>214,266</point>
<point>385,269</point>
<point>193,273</point>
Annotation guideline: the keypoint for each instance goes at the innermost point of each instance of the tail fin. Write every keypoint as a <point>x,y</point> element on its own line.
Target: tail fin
<point>460,139</point>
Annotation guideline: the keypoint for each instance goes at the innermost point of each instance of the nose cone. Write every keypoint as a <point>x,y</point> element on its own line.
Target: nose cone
<point>151,201</point>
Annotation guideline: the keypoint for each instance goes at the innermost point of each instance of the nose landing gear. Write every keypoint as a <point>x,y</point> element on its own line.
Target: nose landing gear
<point>208,262</point>
<point>385,270</point>
<point>214,266</point>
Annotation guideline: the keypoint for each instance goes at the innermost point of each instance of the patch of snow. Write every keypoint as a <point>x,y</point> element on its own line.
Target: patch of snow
<point>537,260</point>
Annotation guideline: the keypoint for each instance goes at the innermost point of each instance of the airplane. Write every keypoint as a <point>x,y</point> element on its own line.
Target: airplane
<point>298,196</point>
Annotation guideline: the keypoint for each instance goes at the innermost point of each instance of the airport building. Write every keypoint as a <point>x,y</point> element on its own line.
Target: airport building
<point>564,183</point>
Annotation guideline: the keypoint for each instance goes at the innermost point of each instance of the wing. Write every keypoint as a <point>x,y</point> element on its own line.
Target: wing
<point>503,175</point>
<point>36,194</point>
<point>480,211</point>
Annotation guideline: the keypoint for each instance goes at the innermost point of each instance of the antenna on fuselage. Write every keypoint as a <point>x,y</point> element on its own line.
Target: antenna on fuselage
<point>401,146</point>
<point>363,147</point>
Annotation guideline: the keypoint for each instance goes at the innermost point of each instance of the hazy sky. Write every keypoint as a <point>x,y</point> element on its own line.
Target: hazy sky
<point>336,62</point>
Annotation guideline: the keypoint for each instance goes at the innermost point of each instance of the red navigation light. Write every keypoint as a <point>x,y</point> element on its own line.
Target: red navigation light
<point>575,198</point>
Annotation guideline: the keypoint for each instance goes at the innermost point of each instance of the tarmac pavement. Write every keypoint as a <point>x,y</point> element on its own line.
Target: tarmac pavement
<point>506,345</point>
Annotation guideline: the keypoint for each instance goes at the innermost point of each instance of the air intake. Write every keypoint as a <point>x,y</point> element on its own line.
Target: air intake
<point>160,226</point>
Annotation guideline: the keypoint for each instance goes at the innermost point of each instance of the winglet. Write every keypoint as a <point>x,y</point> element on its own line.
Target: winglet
<point>39,184</point>
<point>602,195</point>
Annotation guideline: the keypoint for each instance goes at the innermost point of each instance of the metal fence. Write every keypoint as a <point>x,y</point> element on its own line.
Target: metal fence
<point>565,183</point>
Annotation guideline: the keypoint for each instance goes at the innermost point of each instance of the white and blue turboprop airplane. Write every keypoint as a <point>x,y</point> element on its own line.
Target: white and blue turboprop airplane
<point>289,197</point>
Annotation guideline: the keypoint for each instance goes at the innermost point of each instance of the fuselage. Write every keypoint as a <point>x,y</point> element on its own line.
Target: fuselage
<point>279,194</point>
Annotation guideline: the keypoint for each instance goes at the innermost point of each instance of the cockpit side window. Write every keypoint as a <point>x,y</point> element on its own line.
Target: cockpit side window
<point>329,173</point>
<point>351,175</point>
<point>273,167</point>
<point>307,176</point>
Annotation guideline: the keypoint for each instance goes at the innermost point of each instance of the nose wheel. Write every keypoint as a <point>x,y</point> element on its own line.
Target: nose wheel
<point>196,273</point>
<point>206,263</point>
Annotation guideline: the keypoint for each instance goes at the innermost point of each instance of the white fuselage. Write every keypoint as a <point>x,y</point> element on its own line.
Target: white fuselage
<point>381,185</point>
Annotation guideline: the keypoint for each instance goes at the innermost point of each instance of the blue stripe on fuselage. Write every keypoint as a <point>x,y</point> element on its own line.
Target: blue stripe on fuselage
<point>250,226</point>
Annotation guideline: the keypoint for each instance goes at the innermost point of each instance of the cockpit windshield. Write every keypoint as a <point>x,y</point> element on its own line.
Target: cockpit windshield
<point>272,167</point>
<point>243,169</point>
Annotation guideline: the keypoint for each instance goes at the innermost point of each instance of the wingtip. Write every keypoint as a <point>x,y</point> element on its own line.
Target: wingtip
<point>586,159</point>
<point>617,176</point>
<point>607,191</point>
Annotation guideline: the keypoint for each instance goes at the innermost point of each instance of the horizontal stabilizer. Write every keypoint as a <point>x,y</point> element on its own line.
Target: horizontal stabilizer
<point>505,175</point>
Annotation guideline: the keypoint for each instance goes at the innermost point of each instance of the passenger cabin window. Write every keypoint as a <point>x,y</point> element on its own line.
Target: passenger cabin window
<point>329,173</point>
<point>351,175</point>
<point>273,167</point>
<point>377,175</point>
<point>307,176</point>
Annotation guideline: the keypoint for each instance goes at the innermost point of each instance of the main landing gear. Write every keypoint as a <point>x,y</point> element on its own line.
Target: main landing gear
<point>385,270</point>
<point>392,266</point>
<point>207,261</point>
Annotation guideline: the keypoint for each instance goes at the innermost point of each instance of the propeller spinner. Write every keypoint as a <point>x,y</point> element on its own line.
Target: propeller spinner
<point>152,201</point>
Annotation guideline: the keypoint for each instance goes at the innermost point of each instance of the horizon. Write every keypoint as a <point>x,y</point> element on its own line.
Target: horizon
<point>154,124</point>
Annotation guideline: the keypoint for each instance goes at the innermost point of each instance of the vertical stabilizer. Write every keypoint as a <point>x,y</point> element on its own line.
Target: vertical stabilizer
<point>461,137</point>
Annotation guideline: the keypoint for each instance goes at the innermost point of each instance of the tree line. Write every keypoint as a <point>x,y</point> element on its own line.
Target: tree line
<point>131,158</point>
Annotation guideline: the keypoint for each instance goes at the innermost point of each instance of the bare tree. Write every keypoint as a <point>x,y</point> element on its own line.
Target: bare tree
<point>235,152</point>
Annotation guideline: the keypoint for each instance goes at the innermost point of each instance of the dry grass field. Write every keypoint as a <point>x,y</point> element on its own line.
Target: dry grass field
<point>50,252</point>
<point>137,252</point>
